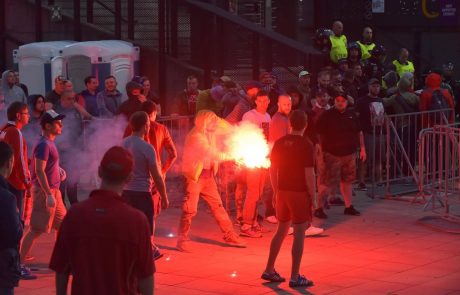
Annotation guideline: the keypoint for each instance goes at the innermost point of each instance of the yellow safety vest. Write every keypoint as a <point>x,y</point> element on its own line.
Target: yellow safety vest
<point>366,50</point>
<point>401,69</point>
<point>338,48</point>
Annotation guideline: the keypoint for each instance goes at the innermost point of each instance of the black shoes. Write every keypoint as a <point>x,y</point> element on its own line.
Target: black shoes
<point>351,211</point>
<point>319,213</point>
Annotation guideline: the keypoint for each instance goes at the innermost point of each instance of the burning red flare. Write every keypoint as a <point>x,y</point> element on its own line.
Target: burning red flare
<point>248,146</point>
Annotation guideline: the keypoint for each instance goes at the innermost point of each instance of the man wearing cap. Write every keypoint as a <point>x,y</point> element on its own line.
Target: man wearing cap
<point>370,111</point>
<point>340,137</point>
<point>305,89</point>
<point>134,102</point>
<point>48,210</point>
<point>104,243</point>
<point>52,98</point>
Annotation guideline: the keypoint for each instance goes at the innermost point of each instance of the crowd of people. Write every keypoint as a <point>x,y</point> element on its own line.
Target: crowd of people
<point>319,129</point>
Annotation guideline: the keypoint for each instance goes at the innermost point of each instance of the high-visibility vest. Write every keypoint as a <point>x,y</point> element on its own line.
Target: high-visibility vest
<point>338,48</point>
<point>366,50</point>
<point>403,68</point>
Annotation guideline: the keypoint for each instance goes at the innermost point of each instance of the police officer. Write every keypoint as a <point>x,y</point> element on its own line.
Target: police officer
<point>403,64</point>
<point>338,43</point>
<point>367,44</point>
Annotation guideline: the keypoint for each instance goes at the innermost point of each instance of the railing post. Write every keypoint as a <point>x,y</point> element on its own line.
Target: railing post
<point>174,27</point>
<point>76,20</point>
<point>118,19</point>
<point>38,21</point>
<point>2,34</point>
<point>255,56</point>
<point>268,55</point>
<point>89,11</point>
<point>131,19</point>
<point>161,51</point>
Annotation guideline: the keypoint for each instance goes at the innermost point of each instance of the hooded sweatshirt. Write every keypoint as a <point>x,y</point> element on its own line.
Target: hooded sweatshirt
<point>200,148</point>
<point>432,83</point>
<point>13,93</point>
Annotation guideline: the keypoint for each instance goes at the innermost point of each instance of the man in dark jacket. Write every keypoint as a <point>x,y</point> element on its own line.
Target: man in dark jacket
<point>134,102</point>
<point>10,225</point>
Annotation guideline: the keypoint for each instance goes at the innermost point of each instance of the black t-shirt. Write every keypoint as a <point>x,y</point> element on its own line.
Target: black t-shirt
<point>364,113</point>
<point>291,154</point>
<point>339,132</point>
<point>53,97</point>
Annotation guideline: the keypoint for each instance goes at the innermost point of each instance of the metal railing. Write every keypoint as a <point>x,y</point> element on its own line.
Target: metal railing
<point>439,170</point>
<point>393,153</point>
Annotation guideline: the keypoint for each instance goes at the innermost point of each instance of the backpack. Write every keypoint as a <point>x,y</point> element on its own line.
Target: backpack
<point>438,102</point>
<point>377,112</point>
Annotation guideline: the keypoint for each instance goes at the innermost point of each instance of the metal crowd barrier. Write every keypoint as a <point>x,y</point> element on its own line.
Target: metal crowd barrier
<point>439,170</point>
<point>393,160</point>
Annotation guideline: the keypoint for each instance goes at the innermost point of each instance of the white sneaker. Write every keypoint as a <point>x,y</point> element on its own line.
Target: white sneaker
<point>313,231</point>
<point>271,219</point>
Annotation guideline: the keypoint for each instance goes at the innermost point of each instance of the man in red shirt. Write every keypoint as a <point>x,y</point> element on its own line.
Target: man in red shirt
<point>103,242</point>
<point>19,180</point>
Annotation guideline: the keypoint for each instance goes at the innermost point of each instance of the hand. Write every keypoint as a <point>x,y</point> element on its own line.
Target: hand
<point>164,203</point>
<point>62,174</point>
<point>362,155</point>
<point>50,201</point>
<point>142,98</point>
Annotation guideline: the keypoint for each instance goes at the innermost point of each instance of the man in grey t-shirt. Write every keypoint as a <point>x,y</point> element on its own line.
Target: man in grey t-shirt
<point>138,190</point>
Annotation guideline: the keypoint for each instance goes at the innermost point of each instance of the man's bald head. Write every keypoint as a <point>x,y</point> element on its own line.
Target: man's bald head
<point>284,104</point>
<point>403,55</point>
<point>337,28</point>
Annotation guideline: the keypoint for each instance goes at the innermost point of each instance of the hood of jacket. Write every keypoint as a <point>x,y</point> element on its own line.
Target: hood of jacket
<point>5,86</point>
<point>404,85</point>
<point>433,81</point>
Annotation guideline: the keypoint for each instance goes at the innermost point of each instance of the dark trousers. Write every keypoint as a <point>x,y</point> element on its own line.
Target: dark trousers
<point>142,201</point>
<point>19,194</point>
<point>69,189</point>
<point>6,291</point>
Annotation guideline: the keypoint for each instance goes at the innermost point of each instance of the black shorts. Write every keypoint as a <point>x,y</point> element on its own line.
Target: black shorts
<point>142,201</point>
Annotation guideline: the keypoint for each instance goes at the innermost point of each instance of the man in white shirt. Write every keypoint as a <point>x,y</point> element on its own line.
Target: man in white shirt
<point>255,177</point>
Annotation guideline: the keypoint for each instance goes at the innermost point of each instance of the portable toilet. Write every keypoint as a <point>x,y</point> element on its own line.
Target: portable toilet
<point>101,59</point>
<point>38,64</point>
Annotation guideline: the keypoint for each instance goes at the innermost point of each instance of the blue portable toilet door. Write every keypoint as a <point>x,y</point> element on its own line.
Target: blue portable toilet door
<point>78,68</point>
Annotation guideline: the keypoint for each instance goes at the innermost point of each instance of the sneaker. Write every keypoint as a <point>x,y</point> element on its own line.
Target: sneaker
<point>249,232</point>
<point>337,202</point>
<point>273,277</point>
<point>271,219</point>
<point>351,211</point>
<point>300,281</point>
<point>26,273</point>
<point>361,187</point>
<point>238,222</point>
<point>313,231</point>
<point>233,241</point>
<point>319,213</point>
<point>183,245</point>
<point>260,228</point>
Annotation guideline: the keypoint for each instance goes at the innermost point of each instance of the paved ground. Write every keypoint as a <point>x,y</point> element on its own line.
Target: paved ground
<point>383,251</point>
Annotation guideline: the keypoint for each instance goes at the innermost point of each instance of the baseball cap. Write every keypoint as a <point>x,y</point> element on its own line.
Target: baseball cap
<point>50,116</point>
<point>117,163</point>
<point>225,79</point>
<point>373,81</point>
<point>303,73</point>
<point>60,78</point>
